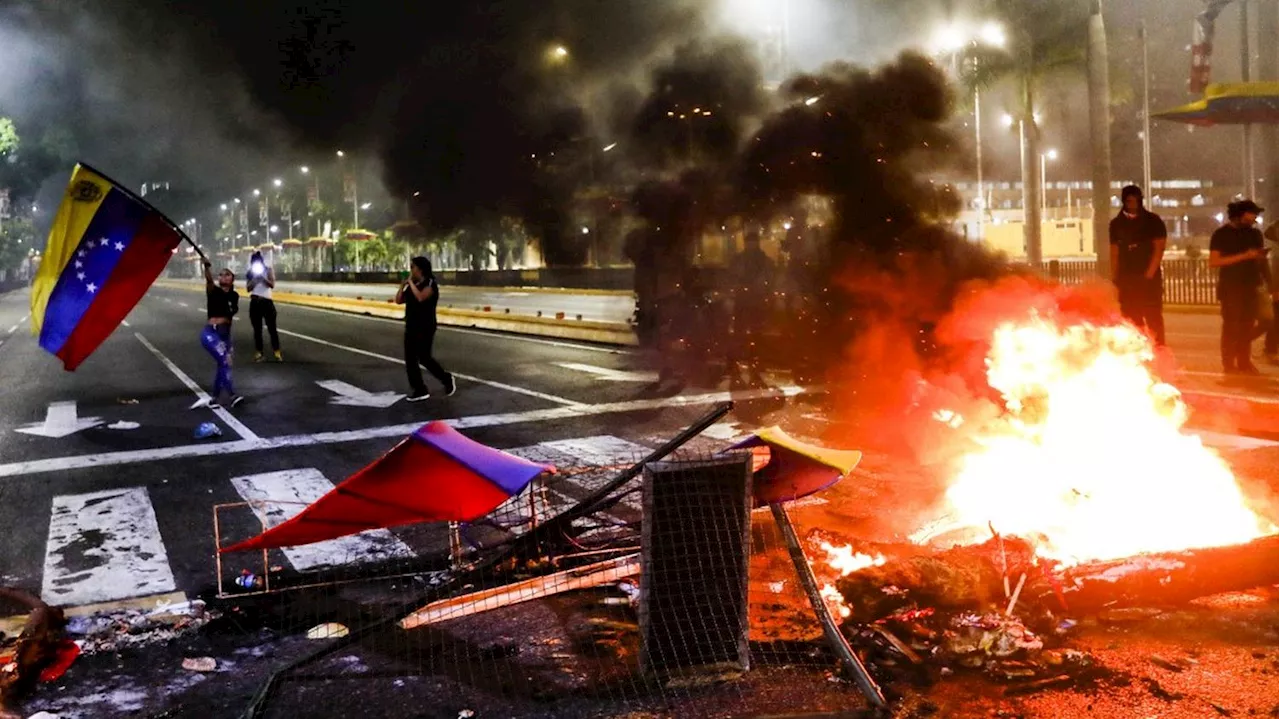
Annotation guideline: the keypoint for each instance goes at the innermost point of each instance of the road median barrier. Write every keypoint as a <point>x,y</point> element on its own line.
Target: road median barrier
<point>611,333</point>
<point>1234,413</point>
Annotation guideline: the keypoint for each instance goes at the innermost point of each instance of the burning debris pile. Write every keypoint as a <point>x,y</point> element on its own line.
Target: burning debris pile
<point>1072,492</point>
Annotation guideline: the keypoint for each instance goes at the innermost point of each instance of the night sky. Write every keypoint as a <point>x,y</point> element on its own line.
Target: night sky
<point>214,96</point>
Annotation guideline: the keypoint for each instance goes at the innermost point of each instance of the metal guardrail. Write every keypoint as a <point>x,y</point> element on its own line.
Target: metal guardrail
<point>1187,281</point>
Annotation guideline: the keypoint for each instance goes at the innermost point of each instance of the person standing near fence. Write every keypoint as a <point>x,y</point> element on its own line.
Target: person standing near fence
<point>420,296</point>
<point>260,281</point>
<point>1236,251</point>
<point>1138,237</point>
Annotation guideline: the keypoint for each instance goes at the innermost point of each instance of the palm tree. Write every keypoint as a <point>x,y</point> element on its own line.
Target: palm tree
<point>1045,38</point>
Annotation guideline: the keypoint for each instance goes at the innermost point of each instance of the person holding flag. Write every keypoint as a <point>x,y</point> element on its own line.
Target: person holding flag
<point>105,248</point>
<point>223,303</point>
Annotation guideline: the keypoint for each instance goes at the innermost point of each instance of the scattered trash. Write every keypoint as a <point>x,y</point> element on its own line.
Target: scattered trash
<point>328,630</point>
<point>64,657</point>
<point>123,425</point>
<point>116,631</point>
<point>126,400</point>
<point>1163,663</point>
<point>200,664</point>
<point>207,430</point>
<point>277,568</point>
<point>248,580</point>
<point>631,589</point>
<point>44,715</point>
<point>466,714</point>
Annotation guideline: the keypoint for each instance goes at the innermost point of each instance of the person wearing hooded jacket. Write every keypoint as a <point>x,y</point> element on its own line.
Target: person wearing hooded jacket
<point>1138,237</point>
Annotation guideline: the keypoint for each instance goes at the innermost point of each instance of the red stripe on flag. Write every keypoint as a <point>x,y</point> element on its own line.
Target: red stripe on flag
<point>142,262</point>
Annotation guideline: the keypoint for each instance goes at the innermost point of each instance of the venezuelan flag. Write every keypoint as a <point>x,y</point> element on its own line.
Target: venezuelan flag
<point>105,249</point>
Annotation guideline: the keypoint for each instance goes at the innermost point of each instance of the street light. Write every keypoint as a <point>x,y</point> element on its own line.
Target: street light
<point>366,205</point>
<point>224,207</point>
<point>277,182</point>
<point>257,193</point>
<point>340,154</point>
<point>304,169</point>
<point>992,33</point>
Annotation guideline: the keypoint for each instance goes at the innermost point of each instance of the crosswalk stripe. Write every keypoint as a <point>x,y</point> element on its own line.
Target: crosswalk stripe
<point>601,450</point>
<point>275,497</point>
<point>103,547</point>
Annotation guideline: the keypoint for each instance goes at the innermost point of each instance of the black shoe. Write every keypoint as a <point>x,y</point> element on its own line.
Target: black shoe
<point>419,395</point>
<point>236,399</point>
<point>1248,370</point>
<point>450,386</point>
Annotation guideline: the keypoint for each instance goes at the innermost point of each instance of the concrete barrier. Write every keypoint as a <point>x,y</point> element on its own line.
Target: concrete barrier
<point>609,333</point>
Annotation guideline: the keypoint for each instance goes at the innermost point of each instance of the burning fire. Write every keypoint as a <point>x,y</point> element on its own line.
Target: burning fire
<point>1089,457</point>
<point>846,561</point>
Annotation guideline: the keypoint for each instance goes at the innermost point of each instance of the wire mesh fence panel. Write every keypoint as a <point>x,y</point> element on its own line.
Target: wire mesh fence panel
<point>545,608</point>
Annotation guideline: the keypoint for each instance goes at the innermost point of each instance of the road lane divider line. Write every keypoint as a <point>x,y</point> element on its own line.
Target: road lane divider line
<point>125,556</point>
<point>236,425</point>
<point>469,378</point>
<point>396,431</point>
<point>276,497</point>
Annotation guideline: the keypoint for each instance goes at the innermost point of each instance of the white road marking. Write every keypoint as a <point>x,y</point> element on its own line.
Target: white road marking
<point>398,431</point>
<point>124,322</point>
<point>60,420</point>
<point>602,450</point>
<point>726,431</point>
<point>351,396</point>
<point>277,496</point>
<point>183,304</point>
<point>477,380</point>
<point>610,375</point>
<point>103,547</point>
<point>236,425</point>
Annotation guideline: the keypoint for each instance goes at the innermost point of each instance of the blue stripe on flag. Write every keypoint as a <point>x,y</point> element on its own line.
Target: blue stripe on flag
<point>109,232</point>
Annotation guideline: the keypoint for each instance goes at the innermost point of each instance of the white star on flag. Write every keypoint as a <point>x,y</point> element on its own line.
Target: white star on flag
<point>92,288</point>
<point>79,264</point>
<point>81,253</point>
<point>103,241</point>
<point>119,246</point>
<point>80,276</point>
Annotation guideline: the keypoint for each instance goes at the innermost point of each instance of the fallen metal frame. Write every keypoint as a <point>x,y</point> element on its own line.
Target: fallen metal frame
<point>528,544</point>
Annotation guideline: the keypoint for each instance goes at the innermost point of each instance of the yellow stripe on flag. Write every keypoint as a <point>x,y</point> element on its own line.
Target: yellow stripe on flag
<point>80,203</point>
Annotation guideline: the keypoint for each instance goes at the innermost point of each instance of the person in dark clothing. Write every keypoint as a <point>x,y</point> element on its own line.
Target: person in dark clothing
<point>1236,251</point>
<point>223,304</point>
<point>420,296</point>
<point>1271,345</point>
<point>1138,239</point>
<point>260,280</point>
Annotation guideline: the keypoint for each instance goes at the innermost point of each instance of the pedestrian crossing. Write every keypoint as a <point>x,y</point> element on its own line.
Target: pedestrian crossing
<point>107,546</point>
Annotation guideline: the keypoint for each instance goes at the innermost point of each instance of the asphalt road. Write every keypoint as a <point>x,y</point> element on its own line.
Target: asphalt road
<point>109,497</point>
<point>617,307</point>
<point>101,511</point>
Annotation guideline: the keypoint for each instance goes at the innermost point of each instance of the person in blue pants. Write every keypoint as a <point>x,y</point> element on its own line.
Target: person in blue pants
<point>223,304</point>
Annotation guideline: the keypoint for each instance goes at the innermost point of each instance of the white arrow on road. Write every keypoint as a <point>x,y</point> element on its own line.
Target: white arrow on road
<point>610,375</point>
<point>60,421</point>
<point>353,396</point>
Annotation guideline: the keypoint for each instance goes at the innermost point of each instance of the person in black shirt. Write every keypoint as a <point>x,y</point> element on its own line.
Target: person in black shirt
<point>1236,250</point>
<point>223,304</point>
<point>1138,240</point>
<point>419,296</point>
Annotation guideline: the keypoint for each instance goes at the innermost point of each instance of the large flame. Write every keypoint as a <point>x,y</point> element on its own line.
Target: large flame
<point>1089,457</point>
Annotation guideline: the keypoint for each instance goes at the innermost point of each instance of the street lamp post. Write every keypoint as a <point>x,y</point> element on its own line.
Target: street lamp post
<point>1045,157</point>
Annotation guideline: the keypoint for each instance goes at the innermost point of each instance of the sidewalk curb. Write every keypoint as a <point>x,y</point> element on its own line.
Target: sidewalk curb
<point>608,333</point>
<point>1192,309</point>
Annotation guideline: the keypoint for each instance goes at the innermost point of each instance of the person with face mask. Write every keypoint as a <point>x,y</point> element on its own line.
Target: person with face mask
<point>420,296</point>
<point>1138,239</point>
<point>223,304</point>
<point>1236,251</point>
<point>260,280</point>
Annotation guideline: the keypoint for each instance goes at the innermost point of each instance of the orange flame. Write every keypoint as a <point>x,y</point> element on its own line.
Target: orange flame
<point>1089,457</point>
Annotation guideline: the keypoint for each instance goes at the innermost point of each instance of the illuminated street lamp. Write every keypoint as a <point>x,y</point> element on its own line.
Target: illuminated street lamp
<point>1045,158</point>
<point>278,182</point>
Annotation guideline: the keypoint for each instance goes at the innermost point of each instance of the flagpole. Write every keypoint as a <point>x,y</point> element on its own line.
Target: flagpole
<point>137,198</point>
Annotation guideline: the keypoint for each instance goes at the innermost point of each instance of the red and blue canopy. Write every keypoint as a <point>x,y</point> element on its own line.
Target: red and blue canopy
<point>1236,103</point>
<point>435,474</point>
